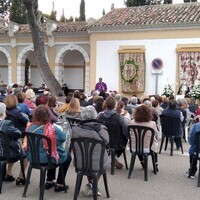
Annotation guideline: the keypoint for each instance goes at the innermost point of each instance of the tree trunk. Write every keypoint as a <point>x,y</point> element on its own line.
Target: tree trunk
<point>39,51</point>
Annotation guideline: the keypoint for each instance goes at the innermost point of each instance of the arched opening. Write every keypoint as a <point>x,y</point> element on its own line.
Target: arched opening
<point>74,70</point>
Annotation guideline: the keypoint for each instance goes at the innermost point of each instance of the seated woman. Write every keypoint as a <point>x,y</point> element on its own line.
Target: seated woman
<point>95,130</point>
<point>41,124</point>
<point>14,114</point>
<point>74,109</point>
<point>111,115</point>
<point>192,150</point>
<point>15,150</point>
<point>143,117</point>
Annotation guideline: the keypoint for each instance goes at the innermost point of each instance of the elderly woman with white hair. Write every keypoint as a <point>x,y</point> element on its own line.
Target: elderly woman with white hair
<point>15,150</point>
<point>90,128</point>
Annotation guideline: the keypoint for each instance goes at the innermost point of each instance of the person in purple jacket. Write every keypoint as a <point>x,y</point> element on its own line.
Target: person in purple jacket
<point>101,86</point>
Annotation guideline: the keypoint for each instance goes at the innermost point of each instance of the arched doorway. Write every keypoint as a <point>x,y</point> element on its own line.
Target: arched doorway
<point>72,67</point>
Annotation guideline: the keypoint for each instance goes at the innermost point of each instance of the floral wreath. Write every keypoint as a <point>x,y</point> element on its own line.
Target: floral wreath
<point>129,71</point>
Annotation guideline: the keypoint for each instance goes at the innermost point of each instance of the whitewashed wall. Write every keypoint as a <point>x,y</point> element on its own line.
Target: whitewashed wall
<point>108,61</point>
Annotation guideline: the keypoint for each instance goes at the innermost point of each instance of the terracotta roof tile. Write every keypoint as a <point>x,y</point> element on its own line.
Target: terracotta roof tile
<point>168,14</point>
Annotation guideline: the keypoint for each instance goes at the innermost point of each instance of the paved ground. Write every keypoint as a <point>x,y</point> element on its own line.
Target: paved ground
<point>169,184</point>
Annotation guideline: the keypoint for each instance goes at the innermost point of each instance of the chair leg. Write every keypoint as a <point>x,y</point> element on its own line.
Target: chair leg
<point>166,143</point>
<point>153,162</point>
<point>79,178</point>
<point>106,184</point>
<point>181,147</point>
<point>2,173</point>
<point>42,182</point>
<point>146,167</point>
<point>95,186</point>
<point>22,167</point>
<point>162,141</point>
<point>172,146</point>
<point>112,161</point>
<point>133,156</point>
<point>125,160</point>
<point>27,180</point>
<point>198,180</point>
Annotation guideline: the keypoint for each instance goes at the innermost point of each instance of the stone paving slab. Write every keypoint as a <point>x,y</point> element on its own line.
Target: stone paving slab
<point>169,184</point>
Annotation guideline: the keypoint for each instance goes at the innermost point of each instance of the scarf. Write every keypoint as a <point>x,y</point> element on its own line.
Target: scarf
<point>50,132</point>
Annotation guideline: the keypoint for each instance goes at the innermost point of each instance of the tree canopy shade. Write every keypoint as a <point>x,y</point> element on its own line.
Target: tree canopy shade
<point>39,51</point>
<point>4,7</point>
<point>18,12</point>
<point>132,3</point>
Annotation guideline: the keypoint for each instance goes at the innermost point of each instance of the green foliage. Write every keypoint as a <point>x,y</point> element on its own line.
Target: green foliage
<point>5,7</point>
<point>168,91</point>
<point>53,15</point>
<point>186,1</point>
<point>18,12</point>
<point>82,11</point>
<point>62,17</point>
<point>103,12</point>
<point>71,19</point>
<point>132,3</point>
<point>195,92</point>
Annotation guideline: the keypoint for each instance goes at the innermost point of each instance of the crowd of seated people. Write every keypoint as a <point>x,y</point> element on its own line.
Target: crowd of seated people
<point>22,107</point>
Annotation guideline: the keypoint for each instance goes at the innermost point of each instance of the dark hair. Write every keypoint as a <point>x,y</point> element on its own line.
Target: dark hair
<point>41,115</point>
<point>143,114</point>
<point>20,96</point>
<point>120,105</point>
<point>99,104</point>
<point>68,99</point>
<point>155,103</point>
<point>172,104</point>
<point>52,102</point>
<point>110,103</point>
<point>41,100</point>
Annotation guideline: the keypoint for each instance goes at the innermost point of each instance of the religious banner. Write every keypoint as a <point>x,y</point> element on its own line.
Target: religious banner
<point>132,70</point>
<point>189,68</point>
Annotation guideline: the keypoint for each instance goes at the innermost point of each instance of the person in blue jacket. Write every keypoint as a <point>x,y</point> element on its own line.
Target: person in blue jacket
<point>192,150</point>
<point>41,124</point>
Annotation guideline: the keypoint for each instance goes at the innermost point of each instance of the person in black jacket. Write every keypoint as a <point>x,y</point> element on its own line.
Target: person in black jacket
<point>111,115</point>
<point>15,145</point>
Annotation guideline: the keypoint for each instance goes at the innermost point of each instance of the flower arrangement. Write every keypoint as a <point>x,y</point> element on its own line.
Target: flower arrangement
<point>195,92</point>
<point>168,91</point>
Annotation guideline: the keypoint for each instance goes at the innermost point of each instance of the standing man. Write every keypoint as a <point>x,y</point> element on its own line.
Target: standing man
<point>101,86</point>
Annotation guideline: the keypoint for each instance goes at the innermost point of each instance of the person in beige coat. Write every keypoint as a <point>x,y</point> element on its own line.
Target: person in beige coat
<point>143,117</point>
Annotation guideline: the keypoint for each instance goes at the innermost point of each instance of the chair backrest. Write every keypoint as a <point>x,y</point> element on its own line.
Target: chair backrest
<point>116,138</point>
<point>171,126</point>
<point>141,138</point>
<point>4,146</point>
<point>197,141</point>
<point>88,154</point>
<point>34,142</point>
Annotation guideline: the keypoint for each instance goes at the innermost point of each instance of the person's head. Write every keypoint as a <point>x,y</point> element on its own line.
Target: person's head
<point>61,94</point>
<point>88,113</point>
<point>125,100</point>
<point>118,97</point>
<point>120,105</point>
<point>172,104</point>
<point>52,101</point>
<point>100,79</point>
<point>77,94</point>
<point>155,103</point>
<point>133,100</point>
<point>99,104</point>
<point>185,104</point>
<point>68,99</point>
<point>74,105</point>
<point>2,91</point>
<point>148,103</point>
<point>143,114</point>
<point>2,110</point>
<point>41,115</point>
<point>21,96</point>
<point>41,100</point>
<point>10,101</point>
<point>110,103</point>
<point>179,102</point>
